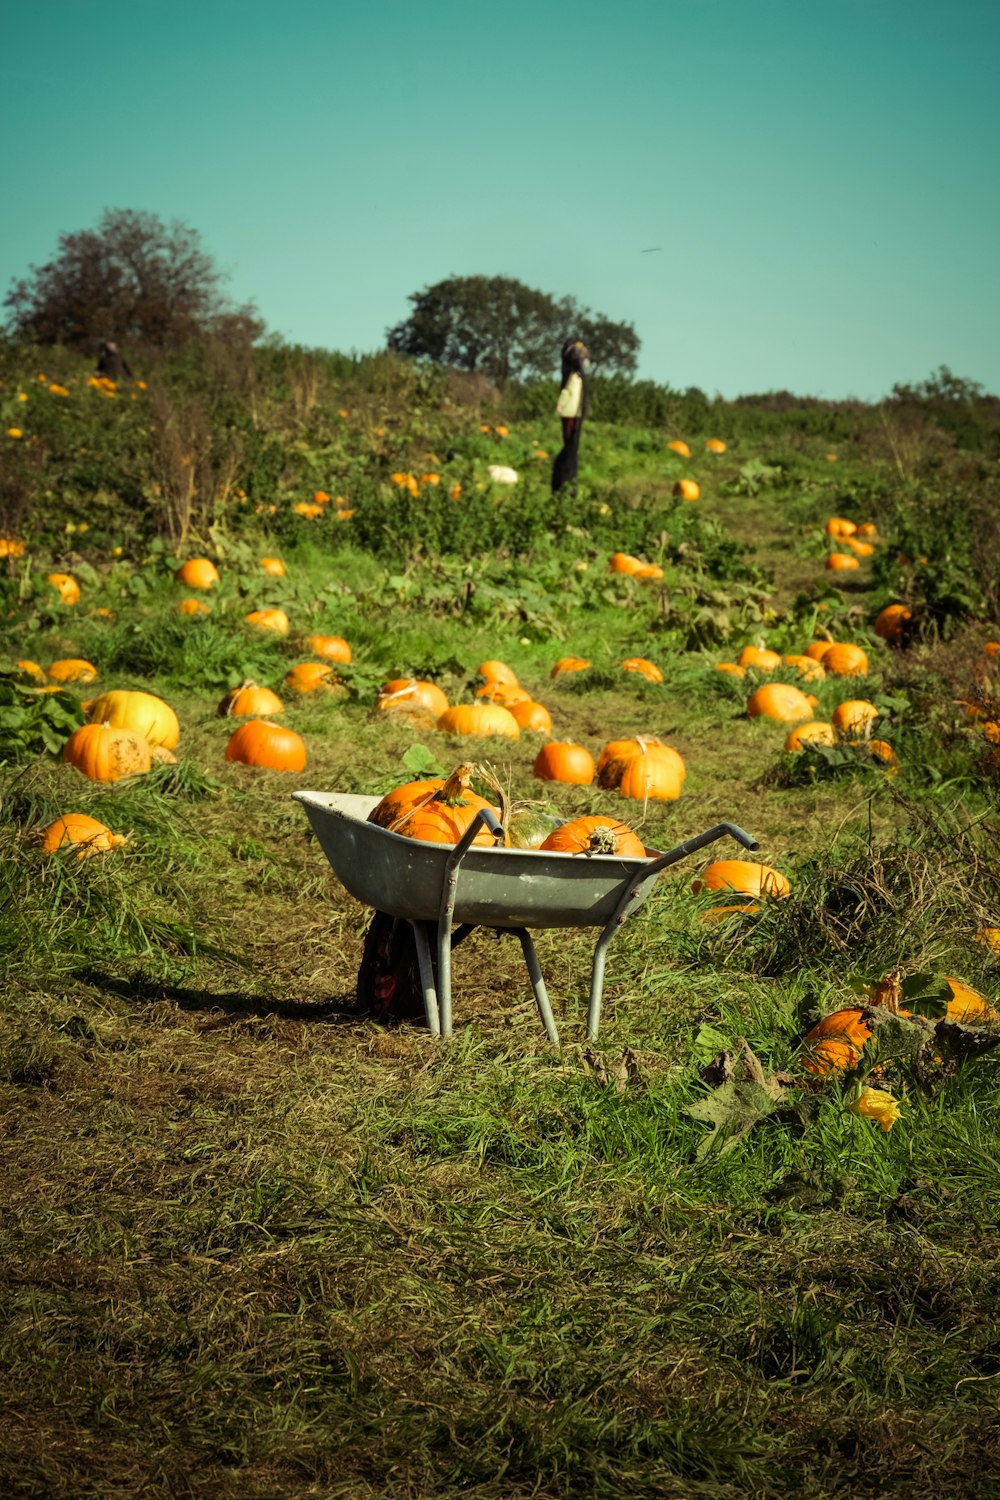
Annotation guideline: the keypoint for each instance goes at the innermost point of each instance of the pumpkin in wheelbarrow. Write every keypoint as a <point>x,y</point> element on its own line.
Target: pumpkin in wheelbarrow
<point>596,834</point>
<point>437,812</point>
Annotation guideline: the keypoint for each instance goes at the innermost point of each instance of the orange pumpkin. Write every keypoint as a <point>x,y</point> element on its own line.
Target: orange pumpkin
<point>260,743</point>
<point>879,751</point>
<point>845,660</point>
<point>867,528</point>
<point>73,669</point>
<point>497,671</point>
<point>567,664</point>
<point>816,650</point>
<point>249,702</point>
<point>858,547</point>
<point>759,658</point>
<point>967,1004</point>
<point>193,607</point>
<point>743,875</point>
<point>77,828</point>
<point>274,566</point>
<point>653,774</point>
<point>841,562</point>
<point>406,696</point>
<point>806,666</point>
<point>813,733</point>
<point>617,754</point>
<point>731,667</point>
<point>397,803</point>
<point>778,700</point>
<point>65,586</point>
<point>507,693</point>
<point>312,677</point>
<point>854,716</point>
<point>836,1042</point>
<point>105,753</point>
<point>624,562</point>
<point>837,526</point>
<point>680,447</point>
<point>481,720</point>
<point>269,619</point>
<point>687,489</point>
<point>332,647</point>
<point>142,713</point>
<point>530,715</point>
<point>718,913</point>
<point>595,835</point>
<point>645,668</point>
<point>561,761</point>
<point>890,623</point>
<point>440,814</point>
<point>715,445</point>
<point>198,573</point>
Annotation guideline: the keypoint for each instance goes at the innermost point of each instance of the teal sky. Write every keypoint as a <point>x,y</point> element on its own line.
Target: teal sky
<point>823,175</point>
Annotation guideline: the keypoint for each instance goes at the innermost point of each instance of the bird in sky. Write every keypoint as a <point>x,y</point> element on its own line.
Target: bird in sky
<point>652,249</point>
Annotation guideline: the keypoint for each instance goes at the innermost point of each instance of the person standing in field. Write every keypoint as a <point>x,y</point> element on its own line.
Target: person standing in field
<point>572,408</point>
<point>111,362</point>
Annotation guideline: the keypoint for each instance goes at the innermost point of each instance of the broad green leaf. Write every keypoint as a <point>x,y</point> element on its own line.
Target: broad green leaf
<point>422,762</point>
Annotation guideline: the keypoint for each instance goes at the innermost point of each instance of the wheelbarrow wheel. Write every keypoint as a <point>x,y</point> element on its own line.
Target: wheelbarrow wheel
<point>389,988</point>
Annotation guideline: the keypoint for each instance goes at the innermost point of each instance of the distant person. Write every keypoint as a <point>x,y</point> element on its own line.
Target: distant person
<point>111,362</point>
<point>572,408</point>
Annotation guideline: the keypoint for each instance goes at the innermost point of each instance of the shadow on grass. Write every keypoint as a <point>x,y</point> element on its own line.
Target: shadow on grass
<point>340,1008</point>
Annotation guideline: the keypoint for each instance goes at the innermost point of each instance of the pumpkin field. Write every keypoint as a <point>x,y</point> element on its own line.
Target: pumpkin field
<point>260,1239</point>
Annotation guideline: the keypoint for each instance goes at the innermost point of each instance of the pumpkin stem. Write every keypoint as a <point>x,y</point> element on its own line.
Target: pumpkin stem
<point>888,991</point>
<point>602,841</point>
<point>460,781</point>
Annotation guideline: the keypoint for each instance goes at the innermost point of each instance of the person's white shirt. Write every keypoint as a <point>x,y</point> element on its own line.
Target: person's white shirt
<point>570,403</point>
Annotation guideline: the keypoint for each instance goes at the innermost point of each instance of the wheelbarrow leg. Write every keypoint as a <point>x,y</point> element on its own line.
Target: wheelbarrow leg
<point>444,975</point>
<point>537,984</point>
<point>427,981</point>
<point>446,910</point>
<point>597,982</point>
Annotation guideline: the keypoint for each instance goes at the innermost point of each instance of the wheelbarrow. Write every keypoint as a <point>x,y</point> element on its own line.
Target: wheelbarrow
<point>445,891</point>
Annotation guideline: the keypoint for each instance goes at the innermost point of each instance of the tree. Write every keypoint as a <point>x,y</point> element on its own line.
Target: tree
<point>506,330</point>
<point>132,279</point>
<point>942,387</point>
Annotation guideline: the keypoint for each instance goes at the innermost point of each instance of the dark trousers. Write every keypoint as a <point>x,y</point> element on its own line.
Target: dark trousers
<point>564,470</point>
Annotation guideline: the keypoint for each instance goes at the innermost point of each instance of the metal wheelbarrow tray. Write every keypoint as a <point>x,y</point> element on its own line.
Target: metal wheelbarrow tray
<point>440,885</point>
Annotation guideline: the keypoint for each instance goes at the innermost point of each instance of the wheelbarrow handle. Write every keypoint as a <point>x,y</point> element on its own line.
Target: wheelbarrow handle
<point>698,841</point>
<point>484,815</point>
<point>630,892</point>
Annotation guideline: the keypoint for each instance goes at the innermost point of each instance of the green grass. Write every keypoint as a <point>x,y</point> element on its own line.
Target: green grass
<point>257,1246</point>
